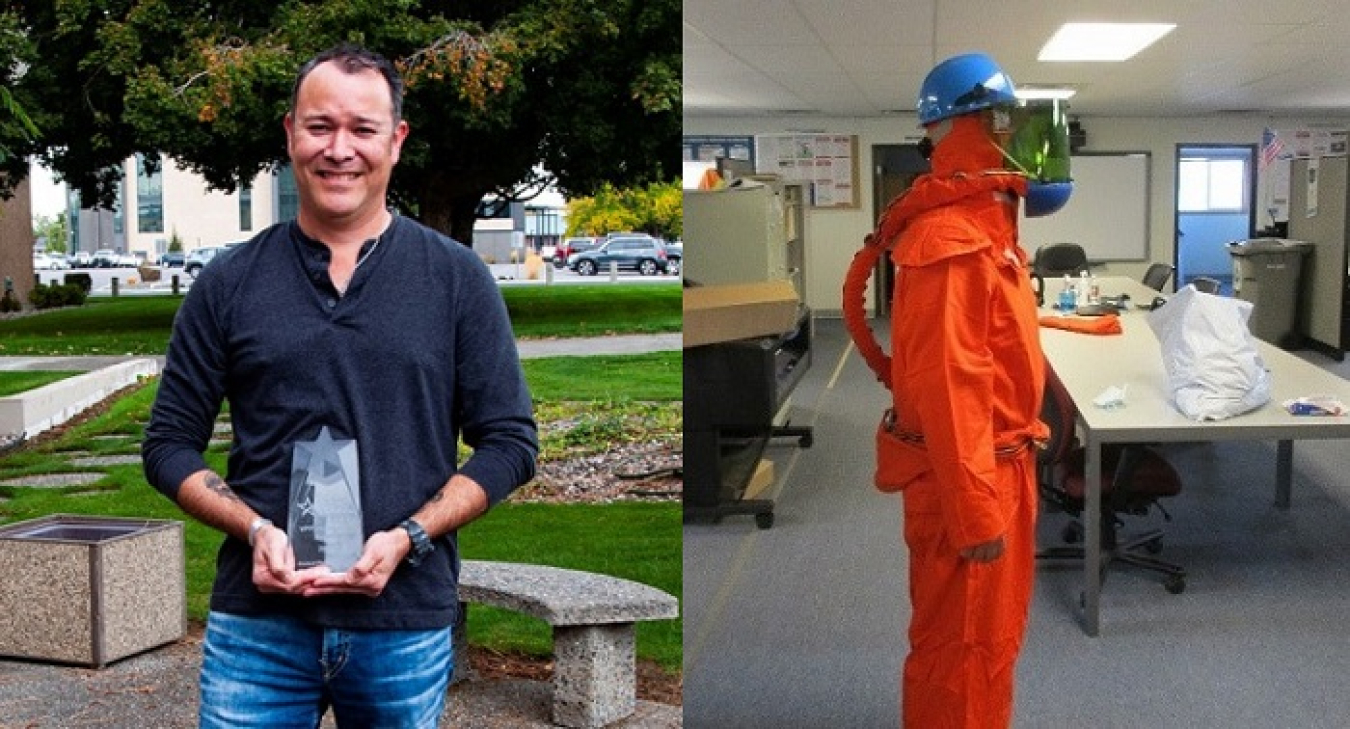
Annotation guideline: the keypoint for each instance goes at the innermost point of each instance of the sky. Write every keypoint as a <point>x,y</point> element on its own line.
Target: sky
<point>49,196</point>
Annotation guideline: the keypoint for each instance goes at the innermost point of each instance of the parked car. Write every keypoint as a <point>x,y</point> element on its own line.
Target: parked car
<point>563,254</point>
<point>104,258</point>
<point>49,262</point>
<point>172,259</point>
<point>130,259</point>
<point>198,258</point>
<point>674,257</point>
<point>643,254</point>
<point>81,259</point>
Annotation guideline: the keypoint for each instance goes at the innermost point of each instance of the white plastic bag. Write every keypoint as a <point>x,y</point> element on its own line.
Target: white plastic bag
<point>1214,370</point>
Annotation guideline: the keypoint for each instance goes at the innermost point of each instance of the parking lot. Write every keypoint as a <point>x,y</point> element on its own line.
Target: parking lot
<point>507,274</point>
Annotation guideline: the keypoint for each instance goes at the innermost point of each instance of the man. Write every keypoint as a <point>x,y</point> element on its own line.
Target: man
<point>355,347</point>
<point>966,372</point>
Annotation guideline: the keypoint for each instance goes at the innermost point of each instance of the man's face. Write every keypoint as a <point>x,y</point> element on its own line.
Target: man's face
<point>343,145</point>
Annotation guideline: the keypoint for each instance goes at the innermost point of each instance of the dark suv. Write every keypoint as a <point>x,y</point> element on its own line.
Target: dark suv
<point>643,254</point>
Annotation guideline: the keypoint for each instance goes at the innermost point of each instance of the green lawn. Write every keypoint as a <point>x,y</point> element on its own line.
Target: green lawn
<point>602,400</point>
<point>140,324</point>
<point>13,383</point>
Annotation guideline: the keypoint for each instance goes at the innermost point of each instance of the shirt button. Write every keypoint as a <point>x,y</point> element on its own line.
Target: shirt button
<point>332,303</point>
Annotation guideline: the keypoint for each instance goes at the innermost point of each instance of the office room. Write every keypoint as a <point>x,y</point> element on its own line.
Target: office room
<point>797,574</point>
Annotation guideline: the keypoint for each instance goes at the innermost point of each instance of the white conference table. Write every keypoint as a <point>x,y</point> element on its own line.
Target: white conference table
<point>1089,364</point>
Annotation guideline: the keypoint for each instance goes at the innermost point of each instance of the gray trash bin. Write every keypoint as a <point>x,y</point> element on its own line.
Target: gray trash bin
<point>1268,272</point>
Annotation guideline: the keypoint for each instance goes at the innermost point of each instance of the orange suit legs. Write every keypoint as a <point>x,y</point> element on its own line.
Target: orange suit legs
<point>969,618</point>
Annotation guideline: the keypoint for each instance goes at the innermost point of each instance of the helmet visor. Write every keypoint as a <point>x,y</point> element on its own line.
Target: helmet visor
<point>1037,134</point>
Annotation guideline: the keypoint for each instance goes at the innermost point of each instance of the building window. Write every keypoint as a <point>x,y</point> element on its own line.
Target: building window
<point>702,152</point>
<point>149,197</point>
<point>490,208</point>
<point>246,208</point>
<point>1211,185</point>
<point>288,199</point>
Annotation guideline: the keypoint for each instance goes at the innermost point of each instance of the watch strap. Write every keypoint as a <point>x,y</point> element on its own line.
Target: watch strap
<point>255,526</point>
<point>421,543</point>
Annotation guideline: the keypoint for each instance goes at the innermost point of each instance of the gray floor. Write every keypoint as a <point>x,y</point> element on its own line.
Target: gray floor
<point>802,625</point>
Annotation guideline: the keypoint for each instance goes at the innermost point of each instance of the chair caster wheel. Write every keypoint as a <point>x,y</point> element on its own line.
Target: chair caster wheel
<point>764,520</point>
<point>806,441</point>
<point>1175,585</point>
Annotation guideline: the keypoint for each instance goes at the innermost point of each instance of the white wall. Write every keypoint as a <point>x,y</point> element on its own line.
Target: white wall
<point>201,217</point>
<point>832,236</point>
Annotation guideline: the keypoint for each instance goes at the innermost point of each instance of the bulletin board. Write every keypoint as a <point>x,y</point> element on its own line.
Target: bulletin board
<point>827,164</point>
<point>1108,213</point>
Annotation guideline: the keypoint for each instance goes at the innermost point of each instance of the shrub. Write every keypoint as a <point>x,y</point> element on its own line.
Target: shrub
<point>51,296</point>
<point>83,280</point>
<point>9,304</point>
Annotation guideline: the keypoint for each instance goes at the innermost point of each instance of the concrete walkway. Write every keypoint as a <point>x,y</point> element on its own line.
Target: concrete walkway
<point>616,344</point>
<point>528,348</point>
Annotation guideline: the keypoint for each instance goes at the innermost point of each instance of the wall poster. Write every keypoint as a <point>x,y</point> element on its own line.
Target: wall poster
<point>826,163</point>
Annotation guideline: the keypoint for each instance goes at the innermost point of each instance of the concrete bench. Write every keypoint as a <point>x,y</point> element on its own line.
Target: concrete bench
<point>593,618</point>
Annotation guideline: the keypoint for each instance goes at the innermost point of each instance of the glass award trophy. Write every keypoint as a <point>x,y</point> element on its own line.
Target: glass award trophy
<point>324,524</point>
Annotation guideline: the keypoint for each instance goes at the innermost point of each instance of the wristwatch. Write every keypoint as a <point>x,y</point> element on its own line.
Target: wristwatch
<point>255,527</point>
<point>421,543</point>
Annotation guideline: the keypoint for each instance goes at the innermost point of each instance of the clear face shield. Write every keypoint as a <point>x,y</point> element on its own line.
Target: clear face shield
<point>1034,139</point>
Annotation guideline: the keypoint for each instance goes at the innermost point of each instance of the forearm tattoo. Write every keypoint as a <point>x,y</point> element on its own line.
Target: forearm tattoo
<point>217,485</point>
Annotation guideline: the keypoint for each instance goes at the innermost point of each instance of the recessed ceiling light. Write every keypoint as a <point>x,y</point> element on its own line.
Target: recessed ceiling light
<point>1102,41</point>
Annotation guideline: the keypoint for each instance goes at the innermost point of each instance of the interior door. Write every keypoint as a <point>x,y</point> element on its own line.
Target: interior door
<point>1216,185</point>
<point>895,168</point>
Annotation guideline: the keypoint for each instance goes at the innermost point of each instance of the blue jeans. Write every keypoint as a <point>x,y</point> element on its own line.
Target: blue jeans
<point>283,672</point>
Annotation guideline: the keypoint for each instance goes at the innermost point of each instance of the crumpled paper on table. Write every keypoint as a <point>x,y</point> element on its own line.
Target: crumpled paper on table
<point>1111,397</point>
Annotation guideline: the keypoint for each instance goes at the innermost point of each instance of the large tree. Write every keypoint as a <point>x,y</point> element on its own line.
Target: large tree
<point>587,89</point>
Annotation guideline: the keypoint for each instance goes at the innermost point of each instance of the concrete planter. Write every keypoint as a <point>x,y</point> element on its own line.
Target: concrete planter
<point>90,590</point>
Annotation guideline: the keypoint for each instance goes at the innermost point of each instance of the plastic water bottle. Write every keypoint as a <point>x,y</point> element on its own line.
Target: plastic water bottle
<point>1068,298</point>
<point>1083,284</point>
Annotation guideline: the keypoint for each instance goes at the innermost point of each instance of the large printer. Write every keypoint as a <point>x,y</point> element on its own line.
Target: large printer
<point>747,342</point>
<point>733,393</point>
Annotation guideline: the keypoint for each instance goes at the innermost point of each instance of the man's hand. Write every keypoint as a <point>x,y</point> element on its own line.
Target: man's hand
<point>382,554</point>
<point>274,564</point>
<point>986,552</point>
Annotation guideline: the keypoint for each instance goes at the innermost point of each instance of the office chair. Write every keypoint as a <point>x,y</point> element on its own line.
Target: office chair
<point>1206,284</point>
<point>1134,478</point>
<point>1058,259</point>
<point>1156,276</point>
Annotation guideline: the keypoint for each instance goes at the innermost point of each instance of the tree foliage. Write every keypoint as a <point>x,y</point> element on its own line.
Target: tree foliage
<point>587,89</point>
<point>53,230</point>
<point>655,209</point>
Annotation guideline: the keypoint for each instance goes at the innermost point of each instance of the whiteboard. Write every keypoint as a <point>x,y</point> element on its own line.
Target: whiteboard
<point>1107,214</point>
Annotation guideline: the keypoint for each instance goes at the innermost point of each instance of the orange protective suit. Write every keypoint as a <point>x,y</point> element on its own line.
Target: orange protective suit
<point>967,373</point>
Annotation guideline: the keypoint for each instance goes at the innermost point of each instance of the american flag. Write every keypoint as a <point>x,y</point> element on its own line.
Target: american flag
<point>1271,147</point>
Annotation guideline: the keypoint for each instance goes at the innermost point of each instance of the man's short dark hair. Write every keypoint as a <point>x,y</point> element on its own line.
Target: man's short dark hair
<point>352,58</point>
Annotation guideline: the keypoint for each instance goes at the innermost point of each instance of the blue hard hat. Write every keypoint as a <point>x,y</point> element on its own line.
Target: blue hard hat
<point>962,84</point>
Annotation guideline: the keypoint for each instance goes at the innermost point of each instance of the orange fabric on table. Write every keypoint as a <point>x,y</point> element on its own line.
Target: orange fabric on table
<point>1109,324</point>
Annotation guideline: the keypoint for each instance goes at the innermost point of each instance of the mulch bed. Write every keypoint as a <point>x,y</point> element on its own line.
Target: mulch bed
<point>653,682</point>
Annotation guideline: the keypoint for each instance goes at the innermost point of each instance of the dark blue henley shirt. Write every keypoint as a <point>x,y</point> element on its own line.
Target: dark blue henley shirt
<point>418,353</point>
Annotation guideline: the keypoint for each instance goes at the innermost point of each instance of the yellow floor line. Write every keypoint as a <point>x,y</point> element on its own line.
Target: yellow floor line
<point>717,606</point>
